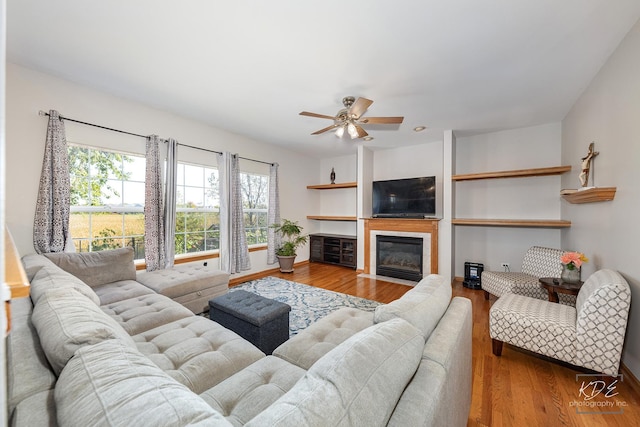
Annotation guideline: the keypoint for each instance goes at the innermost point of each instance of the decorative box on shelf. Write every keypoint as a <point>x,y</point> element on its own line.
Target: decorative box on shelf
<point>589,195</point>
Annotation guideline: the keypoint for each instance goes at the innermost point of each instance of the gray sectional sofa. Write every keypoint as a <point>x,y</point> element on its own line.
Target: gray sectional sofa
<point>115,353</point>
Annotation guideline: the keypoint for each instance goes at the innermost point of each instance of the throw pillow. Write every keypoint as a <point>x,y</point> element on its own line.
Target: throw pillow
<point>97,268</point>
<point>66,321</point>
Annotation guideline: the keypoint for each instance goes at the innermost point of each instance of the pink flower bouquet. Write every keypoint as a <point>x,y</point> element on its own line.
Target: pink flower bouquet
<point>573,260</point>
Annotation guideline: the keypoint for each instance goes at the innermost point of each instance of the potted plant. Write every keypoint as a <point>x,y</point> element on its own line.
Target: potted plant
<point>292,238</point>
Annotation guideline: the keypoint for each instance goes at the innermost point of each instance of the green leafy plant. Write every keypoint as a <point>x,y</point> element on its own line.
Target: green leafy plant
<point>292,237</point>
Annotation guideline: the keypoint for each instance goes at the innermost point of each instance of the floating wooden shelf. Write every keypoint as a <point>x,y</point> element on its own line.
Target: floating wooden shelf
<point>519,173</point>
<point>333,186</point>
<point>541,223</point>
<point>331,218</point>
<point>598,194</point>
<point>14,275</point>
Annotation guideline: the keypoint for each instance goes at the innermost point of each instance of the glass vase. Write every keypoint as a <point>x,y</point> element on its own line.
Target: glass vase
<point>570,275</point>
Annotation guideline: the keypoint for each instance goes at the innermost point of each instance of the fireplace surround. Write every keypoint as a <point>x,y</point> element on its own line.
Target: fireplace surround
<point>427,229</point>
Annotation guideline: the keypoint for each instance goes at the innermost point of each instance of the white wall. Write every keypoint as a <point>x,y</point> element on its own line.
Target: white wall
<point>338,202</point>
<point>29,91</point>
<point>412,162</point>
<point>510,198</point>
<point>608,114</point>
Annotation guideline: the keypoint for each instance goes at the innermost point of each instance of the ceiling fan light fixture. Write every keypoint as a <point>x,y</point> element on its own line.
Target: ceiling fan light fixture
<point>419,128</point>
<point>353,132</point>
<point>349,119</point>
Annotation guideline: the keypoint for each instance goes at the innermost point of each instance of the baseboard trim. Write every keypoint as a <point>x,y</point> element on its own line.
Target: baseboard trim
<point>630,378</point>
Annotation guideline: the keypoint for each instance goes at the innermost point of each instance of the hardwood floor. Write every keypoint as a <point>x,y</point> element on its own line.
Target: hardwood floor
<point>517,389</point>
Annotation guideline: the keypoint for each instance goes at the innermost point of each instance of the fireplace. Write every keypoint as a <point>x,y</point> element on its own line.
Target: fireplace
<point>400,257</point>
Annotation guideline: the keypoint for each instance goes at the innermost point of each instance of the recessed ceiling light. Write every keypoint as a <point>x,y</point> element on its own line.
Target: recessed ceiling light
<point>419,128</point>
<point>368,138</point>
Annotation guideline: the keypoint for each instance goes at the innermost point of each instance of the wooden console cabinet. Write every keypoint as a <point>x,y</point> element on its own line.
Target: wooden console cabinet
<point>333,249</point>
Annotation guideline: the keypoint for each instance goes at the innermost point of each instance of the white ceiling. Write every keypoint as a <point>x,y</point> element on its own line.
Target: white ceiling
<point>250,67</point>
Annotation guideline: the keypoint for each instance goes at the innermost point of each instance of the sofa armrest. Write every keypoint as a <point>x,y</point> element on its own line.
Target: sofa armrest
<point>444,375</point>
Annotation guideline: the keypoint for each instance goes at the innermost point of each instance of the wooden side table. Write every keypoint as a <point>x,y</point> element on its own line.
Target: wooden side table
<point>555,285</point>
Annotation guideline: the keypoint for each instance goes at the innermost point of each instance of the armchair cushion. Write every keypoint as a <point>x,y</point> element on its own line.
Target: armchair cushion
<point>539,326</point>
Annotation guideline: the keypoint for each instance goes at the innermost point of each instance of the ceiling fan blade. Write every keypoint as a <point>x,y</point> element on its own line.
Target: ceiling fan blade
<point>382,120</point>
<point>359,107</point>
<point>333,126</point>
<point>320,116</point>
<point>361,132</point>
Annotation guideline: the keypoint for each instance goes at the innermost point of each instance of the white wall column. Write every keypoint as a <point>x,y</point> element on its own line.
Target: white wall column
<point>446,249</point>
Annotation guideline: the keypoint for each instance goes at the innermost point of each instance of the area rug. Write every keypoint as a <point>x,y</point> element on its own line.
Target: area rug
<point>308,303</point>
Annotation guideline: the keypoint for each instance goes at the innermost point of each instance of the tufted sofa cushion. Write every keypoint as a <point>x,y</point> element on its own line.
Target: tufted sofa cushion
<point>145,312</point>
<point>66,321</point>
<point>356,383</point>
<point>196,352</point>
<point>250,391</point>
<point>119,291</point>
<point>110,384</point>
<point>183,279</point>
<point>192,285</point>
<point>305,348</point>
<point>97,268</point>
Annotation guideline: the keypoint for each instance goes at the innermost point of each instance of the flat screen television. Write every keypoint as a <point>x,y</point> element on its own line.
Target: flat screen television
<point>405,198</point>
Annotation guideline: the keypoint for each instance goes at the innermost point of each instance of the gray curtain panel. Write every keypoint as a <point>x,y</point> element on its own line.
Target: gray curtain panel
<point>224,167</point>
<point>234,250</point>
<point>273,214</point>
<point>51,222</point>
<point>170,202</point>
<point>240,260</point>
<point>154,247</point>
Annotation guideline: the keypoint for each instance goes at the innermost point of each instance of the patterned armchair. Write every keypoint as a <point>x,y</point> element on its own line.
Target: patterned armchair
<point>538,262</point>
<point>590,335</point>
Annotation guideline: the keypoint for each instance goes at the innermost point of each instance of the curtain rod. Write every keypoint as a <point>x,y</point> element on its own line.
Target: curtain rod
<point>44,113</point>
<point>220,152</point>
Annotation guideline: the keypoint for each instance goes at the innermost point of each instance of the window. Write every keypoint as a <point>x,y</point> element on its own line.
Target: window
<point>197,209</point>
<point>107,203</point>
<point>255,200</point>
<point>107,200</point>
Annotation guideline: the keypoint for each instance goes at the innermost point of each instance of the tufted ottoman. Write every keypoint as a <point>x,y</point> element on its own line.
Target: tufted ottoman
<point>262,321</point>
<point>192,285</point>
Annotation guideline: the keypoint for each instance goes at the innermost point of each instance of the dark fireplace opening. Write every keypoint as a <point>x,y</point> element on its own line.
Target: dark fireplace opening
<point>399,257</point>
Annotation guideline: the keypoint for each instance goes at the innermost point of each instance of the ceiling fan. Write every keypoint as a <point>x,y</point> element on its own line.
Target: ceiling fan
<point>350,118</point>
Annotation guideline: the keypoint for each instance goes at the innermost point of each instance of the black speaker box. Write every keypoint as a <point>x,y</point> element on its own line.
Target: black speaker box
<point>472,275</point>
